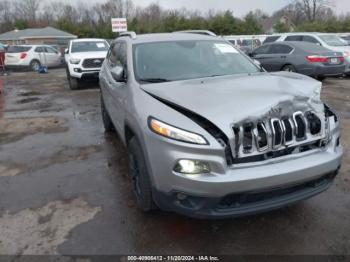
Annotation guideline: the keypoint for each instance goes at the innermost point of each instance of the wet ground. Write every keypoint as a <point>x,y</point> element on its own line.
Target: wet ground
<point>64,187</point>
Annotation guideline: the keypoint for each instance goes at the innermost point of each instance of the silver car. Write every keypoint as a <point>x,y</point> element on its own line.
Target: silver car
<point>209,133</point>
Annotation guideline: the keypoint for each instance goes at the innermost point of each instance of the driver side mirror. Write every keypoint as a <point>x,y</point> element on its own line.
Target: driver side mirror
<point>256,62</point>
<point>118,73</point>
<point>66,51</point>
<point>251,54</point>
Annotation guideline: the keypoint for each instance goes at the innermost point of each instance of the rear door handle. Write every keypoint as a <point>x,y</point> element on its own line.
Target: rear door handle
<point>283,56</point>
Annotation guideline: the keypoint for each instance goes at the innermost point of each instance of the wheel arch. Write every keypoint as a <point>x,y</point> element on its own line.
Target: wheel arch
<point>289,64</point>
<point>129,133</point>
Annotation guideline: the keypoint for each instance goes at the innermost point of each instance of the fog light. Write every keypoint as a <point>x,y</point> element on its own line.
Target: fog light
<point>181,196</point>
<point>192,167</point>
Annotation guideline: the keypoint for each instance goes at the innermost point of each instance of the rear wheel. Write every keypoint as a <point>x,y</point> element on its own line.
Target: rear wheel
<point>140,177</point>
<point>289,68</point>
<point>34,65</point>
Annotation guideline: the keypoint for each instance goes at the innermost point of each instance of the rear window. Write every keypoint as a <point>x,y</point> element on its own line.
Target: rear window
<point>18,49</point>
<point>332,40</point>
<point>309,47</point>
<point>271,39</point>
<point>294,38</point>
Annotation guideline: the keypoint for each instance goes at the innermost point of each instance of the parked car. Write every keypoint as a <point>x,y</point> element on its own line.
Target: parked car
<point>235,41</point>
<point>84,58</point>
<point>201,32</point>
<point>32,56</point>
<point>248,45</point>
<point>346,38</point>
<point>209,134</point>
<point>300,57</point>
<point>329,41</point>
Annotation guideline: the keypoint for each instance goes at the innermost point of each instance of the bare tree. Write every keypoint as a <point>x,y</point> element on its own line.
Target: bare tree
<point>6,17</point>
<point>313,8</point>
<point>27,9</point>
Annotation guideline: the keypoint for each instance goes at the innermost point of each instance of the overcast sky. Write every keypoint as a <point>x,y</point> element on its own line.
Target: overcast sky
<point>239,7</point>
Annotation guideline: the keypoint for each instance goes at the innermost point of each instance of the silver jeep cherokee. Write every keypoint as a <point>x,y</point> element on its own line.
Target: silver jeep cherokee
<point>209,133</point>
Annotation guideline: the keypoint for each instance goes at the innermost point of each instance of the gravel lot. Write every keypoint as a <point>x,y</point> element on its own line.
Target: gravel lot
<point>64,187</point>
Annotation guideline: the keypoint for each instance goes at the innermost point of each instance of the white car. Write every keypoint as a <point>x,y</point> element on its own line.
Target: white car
<point>84,58</point>
<point>329,41</point>
<point>32,56</point>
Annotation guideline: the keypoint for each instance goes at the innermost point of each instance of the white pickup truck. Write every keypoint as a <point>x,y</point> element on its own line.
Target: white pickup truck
<point>84,58</point>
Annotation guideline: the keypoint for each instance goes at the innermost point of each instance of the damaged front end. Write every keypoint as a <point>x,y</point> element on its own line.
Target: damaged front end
<point>289,128</point>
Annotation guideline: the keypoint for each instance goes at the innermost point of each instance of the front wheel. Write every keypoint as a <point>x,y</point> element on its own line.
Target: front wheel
<point>140,177</point>
<point>72,81</point>
<point>289,68</point>
<point>106,119</point>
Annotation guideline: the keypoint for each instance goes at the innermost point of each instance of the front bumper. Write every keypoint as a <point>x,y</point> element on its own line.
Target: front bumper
<point>206,191</point>
<point>244,203</point>
<point>322,70</point>
<point>81,73</point>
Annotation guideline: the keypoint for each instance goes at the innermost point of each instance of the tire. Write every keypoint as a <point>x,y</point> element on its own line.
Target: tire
<point>289,68</point>
<point>140,177</point>
<point>320,78</point>
<point>34,65</point>
<point>72,81</point>
<point>106,119</point>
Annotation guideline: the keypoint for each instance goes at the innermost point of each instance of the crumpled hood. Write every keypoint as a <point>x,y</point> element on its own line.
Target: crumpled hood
<point>232,99</point>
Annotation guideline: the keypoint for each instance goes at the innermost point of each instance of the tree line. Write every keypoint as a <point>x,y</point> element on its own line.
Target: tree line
<point>87,20</point>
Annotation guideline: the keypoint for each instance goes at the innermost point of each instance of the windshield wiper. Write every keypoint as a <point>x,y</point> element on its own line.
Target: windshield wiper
<point>154,80</point>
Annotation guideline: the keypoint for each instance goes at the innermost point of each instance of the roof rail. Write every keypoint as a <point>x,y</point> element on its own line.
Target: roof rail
<point>200,32</point>
<point>130,34</point>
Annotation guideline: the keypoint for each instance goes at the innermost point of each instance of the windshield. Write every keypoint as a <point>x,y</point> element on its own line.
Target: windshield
<point>332,40</point>
<point>18,49</point>
<point>91,46</point>
<point>180,60</point>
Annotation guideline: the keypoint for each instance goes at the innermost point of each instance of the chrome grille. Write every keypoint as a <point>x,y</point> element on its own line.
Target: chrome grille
<point>300,125</point>
<point>277,134</point>
<point>93,62</point>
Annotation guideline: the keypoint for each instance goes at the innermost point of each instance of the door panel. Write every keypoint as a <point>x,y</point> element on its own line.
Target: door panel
<point>116,90</point>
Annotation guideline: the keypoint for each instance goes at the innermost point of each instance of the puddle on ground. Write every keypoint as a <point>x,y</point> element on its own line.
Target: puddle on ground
<point>67,154</point>
<point>12,129</point>
<point>2,105</point>
<point>31,93</point>
<point>40,231</point>
<point>28,100</point>
<point>8,169</point>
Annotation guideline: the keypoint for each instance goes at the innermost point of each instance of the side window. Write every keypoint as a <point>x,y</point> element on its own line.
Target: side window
<point>112,55</point>
<point>117,55</point>
<point>271,39</point>
<point>310,39</point>
<point>50,50</point>
<point>39,49</point>
<point>294,38</point>
<point>262,50</point>
<point>122,57</point>
<point>280,49</point>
